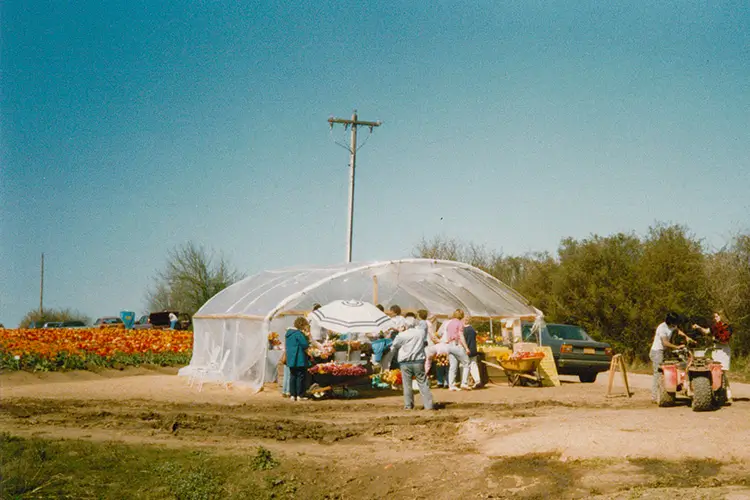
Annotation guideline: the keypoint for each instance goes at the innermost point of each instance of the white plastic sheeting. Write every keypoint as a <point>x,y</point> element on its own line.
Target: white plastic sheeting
<point>240,317</point>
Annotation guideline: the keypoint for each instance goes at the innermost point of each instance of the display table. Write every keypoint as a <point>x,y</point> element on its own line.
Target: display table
<point>327,376</point>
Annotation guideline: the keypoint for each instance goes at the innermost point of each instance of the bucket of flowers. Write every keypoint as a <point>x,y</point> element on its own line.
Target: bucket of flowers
<point>355,351</point>
<point>441,360</point>
<point>341,351</point>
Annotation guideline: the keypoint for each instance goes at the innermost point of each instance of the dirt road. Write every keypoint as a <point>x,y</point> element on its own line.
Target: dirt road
<point>568,442</point>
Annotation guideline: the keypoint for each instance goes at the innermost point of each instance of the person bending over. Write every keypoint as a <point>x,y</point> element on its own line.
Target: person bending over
<point>459,351</point>
<point>662,340</point>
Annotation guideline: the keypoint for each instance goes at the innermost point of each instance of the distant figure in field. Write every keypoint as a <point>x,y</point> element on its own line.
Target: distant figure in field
<point>172,320</point>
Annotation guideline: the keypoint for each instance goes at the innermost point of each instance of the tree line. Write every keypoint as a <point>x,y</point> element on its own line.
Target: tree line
<point>620,287</point>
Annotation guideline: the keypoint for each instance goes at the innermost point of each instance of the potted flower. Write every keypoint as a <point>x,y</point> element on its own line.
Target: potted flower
<point>355,353</point>
<point>341,349</point>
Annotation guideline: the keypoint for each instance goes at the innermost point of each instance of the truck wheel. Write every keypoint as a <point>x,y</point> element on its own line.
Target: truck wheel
<point>664,398</point>
<point>720,396</point>
<point>587,378</point>
<point>702,394</point>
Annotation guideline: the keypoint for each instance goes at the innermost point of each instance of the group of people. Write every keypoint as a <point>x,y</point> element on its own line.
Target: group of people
<point>417,340</point>
<point>669,336</point>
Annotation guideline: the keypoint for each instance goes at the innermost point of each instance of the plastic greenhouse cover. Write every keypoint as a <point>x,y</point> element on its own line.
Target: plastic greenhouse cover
<point>438,286</point>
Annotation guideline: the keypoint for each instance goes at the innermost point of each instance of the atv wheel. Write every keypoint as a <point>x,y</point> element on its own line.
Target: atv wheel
<point>664,398</point>
<point>702,394</point>
<point>720,396</point>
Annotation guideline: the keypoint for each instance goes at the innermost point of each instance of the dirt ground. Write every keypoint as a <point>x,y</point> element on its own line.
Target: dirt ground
<point>570,441</point>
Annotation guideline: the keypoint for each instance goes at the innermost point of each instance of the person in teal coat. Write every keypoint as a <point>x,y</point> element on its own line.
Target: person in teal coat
<point>296,343</point>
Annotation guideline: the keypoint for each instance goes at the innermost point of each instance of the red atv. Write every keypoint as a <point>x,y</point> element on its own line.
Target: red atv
<point>698,378</point>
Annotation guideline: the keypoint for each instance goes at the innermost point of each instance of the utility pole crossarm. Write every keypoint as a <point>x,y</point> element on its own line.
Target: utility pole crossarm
<point>354,122</point>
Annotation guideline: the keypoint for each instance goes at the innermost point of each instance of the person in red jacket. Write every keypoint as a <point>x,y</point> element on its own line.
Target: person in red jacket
<point>721,332</point>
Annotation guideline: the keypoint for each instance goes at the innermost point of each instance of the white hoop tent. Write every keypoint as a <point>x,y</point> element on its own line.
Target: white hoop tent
<point>233,326</point>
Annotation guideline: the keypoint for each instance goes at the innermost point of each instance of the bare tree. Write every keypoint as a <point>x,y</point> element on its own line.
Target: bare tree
<point>191,277</point>
<point>439,247</point>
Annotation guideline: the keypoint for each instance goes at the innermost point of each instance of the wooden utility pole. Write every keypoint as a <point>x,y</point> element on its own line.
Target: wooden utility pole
<point>41,292</point>
<point>352,162</point>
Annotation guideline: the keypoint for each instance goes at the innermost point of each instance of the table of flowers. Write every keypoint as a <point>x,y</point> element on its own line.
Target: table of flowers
<point>334,373</point>
<point>336,362</point>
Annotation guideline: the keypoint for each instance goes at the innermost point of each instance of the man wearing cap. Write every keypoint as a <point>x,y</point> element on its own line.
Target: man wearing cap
<point>409,345</point>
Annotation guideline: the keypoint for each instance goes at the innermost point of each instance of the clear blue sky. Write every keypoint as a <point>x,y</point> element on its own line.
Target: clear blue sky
<point>132,127</point>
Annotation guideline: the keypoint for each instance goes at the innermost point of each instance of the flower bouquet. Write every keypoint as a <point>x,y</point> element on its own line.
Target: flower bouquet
<point>322,353</point>
<point>274,342</point>
<point>392,377</point>
<point>441,360</point>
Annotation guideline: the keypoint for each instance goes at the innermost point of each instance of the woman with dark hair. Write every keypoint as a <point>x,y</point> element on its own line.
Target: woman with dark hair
<point>296,343</point>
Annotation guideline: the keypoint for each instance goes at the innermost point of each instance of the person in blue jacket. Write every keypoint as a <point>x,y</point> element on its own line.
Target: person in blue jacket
<point>296,343</point>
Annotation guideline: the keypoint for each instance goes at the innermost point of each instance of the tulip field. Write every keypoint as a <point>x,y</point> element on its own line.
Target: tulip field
<point>55,349</point>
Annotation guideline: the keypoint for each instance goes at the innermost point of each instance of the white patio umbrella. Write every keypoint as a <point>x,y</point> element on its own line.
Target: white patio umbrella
<point>352,316</point>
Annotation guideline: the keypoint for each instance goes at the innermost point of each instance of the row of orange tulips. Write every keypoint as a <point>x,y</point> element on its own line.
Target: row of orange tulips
<point>80,348</point>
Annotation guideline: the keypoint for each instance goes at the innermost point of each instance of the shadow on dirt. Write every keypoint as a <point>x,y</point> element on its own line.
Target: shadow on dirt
<point>533,476</point>
<point>681,473</point>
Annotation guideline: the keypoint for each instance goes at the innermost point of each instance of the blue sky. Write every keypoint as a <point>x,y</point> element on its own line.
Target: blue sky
<point>132,127</point>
